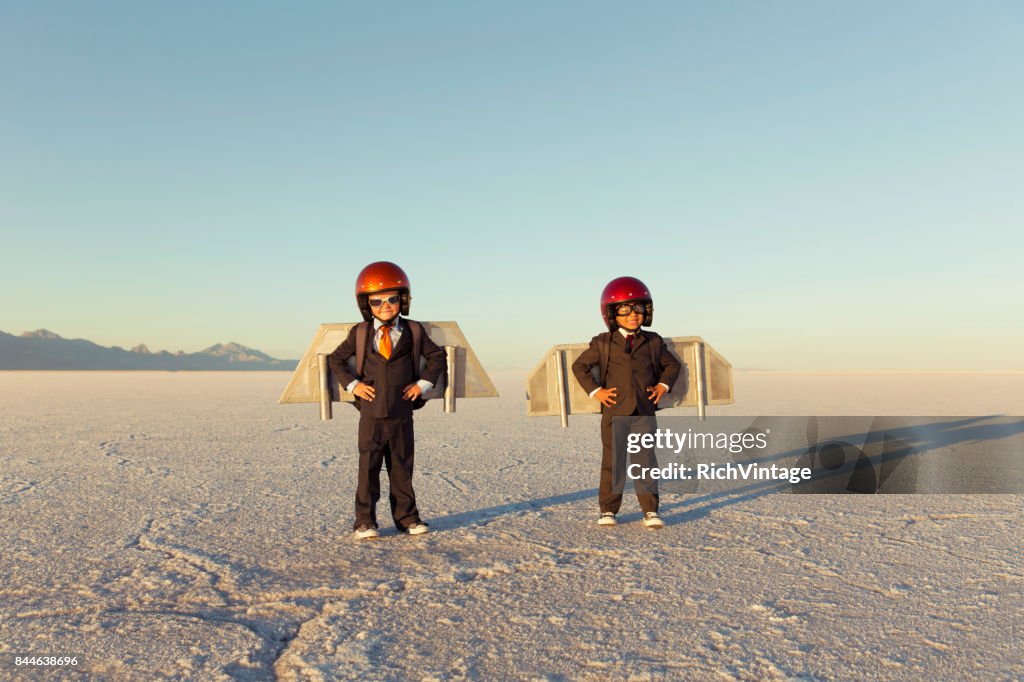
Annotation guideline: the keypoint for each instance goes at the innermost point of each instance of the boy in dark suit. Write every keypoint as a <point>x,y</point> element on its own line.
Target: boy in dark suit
<point>636,371</point>
<point>387,386</point>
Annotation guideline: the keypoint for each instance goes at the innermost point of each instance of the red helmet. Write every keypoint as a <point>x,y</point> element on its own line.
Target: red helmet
<point>381,276</point>
<point>625,290</point>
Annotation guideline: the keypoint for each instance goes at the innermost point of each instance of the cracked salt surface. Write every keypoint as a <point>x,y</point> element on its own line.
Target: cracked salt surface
<point>184,526</point>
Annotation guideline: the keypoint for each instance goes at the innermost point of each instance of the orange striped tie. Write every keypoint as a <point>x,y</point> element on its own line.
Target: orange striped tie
<point>385,341</point>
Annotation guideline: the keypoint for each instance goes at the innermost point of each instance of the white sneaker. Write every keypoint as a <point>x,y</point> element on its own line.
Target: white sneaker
<point>607,519</point>
<point>365,532</point>
<point>418,528</point>
<point>652,520</point>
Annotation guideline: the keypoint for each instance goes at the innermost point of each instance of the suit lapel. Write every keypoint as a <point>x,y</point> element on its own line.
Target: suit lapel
<point>404,344</point>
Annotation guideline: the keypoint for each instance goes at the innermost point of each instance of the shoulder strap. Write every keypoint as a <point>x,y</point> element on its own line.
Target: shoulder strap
<point>606,354</point>
<point>360,348</point>
<point>417,347</point>
<point>656,344</point>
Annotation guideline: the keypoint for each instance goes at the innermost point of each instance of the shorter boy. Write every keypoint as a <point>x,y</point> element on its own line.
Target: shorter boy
<point>636,371</point>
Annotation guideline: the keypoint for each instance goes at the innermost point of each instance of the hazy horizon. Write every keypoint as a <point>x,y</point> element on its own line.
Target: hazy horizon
<point>516,368</point>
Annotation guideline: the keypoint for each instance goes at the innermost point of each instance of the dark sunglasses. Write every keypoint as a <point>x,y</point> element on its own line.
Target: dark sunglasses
<point>627,308</point>
<point>378,302</point>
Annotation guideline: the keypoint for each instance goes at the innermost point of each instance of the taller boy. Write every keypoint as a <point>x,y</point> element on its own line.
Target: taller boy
<point>387,384</point>
<point>636,370</point>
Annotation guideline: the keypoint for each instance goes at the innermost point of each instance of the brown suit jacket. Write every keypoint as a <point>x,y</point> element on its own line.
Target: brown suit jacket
<point>388,377</point>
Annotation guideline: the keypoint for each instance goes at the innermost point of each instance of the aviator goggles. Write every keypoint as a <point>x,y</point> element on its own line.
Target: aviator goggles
<point>627,308</point>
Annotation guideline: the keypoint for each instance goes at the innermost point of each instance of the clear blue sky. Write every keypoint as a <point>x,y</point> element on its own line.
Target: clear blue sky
<point>807,185</point>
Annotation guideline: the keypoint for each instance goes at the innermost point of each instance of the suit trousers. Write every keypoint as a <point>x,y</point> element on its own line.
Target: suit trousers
<point>613,463</point>
<point>388,442</point>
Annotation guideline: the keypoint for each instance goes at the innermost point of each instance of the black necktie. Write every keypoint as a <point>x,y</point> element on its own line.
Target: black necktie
<point>629,342</point>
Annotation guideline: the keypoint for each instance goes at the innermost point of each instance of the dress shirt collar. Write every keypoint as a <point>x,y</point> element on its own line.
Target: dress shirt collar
<point>396,322</point>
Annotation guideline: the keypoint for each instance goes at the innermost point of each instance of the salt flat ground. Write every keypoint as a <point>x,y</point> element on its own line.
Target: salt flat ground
<point>185,526</point>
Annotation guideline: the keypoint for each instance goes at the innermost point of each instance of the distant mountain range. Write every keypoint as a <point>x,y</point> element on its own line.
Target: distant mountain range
<point>44,350</point>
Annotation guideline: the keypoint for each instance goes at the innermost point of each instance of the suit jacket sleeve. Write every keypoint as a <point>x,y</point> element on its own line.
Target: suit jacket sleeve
<point>338,360</point>
<point>670,366</point>
<point>437,361</point>
<point>584,363</point>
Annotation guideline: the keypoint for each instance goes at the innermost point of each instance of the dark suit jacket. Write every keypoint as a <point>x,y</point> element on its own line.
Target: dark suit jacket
<point>630,373</point>
<point>388,377</point>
